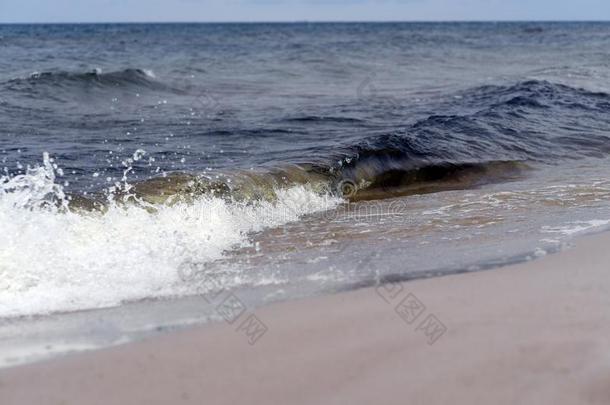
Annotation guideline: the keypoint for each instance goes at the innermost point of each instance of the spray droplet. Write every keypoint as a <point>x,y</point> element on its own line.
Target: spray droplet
<point>138,154</point>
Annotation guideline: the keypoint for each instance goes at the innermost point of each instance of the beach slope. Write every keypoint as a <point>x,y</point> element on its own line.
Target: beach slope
<point>533,333</point>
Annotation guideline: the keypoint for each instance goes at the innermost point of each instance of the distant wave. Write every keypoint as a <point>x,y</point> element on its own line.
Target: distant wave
<point>122,79</point>
<point>323,119</point>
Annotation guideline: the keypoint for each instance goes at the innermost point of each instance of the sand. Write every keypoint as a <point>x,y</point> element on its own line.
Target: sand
<point>534,333</point>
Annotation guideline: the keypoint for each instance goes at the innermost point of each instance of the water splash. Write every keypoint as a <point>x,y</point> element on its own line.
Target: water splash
<point>56,259</point>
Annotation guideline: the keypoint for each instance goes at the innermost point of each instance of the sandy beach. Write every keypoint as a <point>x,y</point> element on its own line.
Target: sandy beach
<point>533,333</point>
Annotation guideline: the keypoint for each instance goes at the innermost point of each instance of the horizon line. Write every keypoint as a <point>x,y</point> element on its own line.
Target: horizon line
<point>300,22</point>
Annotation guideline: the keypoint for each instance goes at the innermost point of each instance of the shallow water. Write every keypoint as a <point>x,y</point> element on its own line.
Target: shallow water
<point>147,167</point>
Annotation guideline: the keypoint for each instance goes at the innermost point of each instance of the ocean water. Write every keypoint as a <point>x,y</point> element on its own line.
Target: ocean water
<point>145,167</point>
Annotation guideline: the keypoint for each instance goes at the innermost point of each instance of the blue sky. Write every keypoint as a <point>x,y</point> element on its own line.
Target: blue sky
<point>298,10</point>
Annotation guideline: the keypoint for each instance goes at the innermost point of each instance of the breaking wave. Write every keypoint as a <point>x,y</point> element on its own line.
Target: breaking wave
<point>56,259</point>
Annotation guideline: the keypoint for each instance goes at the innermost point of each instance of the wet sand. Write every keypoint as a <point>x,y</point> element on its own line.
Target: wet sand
<point>534,333</point>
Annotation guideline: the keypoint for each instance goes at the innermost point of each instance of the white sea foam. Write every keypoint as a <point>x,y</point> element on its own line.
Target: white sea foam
<point>578,227</point>
<point>52,259</point>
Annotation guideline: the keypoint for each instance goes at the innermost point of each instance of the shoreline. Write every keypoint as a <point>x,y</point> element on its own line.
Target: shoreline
<point>535,332</point>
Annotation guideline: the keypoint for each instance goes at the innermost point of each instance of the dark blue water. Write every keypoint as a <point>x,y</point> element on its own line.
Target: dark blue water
<point>371,101</point>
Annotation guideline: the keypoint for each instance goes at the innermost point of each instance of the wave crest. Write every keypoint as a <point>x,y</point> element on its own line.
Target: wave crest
<point>123,79</point>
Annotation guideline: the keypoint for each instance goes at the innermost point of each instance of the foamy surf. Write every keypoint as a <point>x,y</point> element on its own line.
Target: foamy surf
<point>54,259</point>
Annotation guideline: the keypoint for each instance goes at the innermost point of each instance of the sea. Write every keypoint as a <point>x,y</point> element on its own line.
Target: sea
<point>146,169</point>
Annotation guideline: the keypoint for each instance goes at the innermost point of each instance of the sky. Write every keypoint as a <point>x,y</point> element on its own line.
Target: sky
<point>299,10</point>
